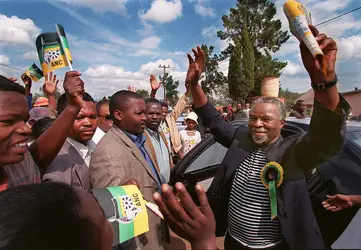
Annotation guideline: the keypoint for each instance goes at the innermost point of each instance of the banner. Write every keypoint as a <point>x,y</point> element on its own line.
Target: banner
<point>125,209</point>
<point>34,73</point>
<point>51,53</point>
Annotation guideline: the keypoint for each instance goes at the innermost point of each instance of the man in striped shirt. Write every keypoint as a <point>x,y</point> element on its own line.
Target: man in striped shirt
<point>239,199</point>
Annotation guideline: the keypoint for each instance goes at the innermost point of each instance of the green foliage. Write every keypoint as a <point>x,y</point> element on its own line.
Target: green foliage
<point>235,73</point>
<point>247,63</point>
<point>213,78</point>
<point>143,93</point>
<point>171,90</point>
<point>265,35</point>
<point>290,97</point>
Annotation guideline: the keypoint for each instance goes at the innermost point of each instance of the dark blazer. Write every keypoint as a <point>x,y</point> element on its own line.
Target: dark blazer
<point>69,167</point>
<point>297,155</point>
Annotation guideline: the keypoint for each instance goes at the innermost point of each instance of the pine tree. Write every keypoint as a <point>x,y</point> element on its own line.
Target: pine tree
<point>265,35</point>
<point>213,78</point>
<point>235,73</point>
<point>171,90</point>
<point>247,64</point>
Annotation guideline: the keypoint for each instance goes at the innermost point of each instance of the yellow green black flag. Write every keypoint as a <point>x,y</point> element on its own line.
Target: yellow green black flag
<point>53,50</point>
<point>34,73</point>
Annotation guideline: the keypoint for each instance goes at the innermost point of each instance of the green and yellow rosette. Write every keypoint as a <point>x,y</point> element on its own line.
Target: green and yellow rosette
<point>272,178</point>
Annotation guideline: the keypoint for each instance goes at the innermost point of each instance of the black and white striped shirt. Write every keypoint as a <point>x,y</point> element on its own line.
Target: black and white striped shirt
<point>249,212</point>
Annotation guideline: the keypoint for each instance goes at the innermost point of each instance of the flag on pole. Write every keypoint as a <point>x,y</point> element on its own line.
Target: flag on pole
<point>51,53</point>
<point>125,209</point>
<point>34,73</point>
<point>64,44</point>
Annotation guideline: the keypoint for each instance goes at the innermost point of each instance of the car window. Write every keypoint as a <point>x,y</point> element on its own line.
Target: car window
<point>210,157</point>
<point>355,137</point>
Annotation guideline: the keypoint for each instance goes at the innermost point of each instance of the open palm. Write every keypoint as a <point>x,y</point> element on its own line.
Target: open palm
<point>196,66</point>
<point>50,84</point>
<point>337,202</point>
<point>155,85</point>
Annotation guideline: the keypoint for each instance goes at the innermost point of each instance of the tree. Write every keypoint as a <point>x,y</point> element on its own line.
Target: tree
<point>235,74</point>
<point>213,78</point>
<point>247,64</point>
<point>143,93</point>
<point>290,97</point>
<point>265,35</point>
<point>171,90</point>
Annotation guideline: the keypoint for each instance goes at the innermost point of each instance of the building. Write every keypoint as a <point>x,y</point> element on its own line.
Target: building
<point>352,97</point>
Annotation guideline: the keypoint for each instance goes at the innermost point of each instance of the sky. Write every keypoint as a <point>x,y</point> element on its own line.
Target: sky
<point>117,43</point>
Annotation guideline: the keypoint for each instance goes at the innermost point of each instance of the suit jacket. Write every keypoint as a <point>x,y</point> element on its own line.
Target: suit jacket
<point>296,154</point>
<point>69,167</point>
<point>117,159</point>
<point>149,144</point>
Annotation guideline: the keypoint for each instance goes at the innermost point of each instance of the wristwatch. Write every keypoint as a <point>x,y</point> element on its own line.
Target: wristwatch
<point>326,85</point>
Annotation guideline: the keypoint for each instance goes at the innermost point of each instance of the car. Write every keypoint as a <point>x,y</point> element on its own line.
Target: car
<point>340,174</point>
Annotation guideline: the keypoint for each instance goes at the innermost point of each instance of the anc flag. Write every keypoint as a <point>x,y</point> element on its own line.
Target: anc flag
<point>52,54</point>
<point>125,209</point>
<point>34,73</point>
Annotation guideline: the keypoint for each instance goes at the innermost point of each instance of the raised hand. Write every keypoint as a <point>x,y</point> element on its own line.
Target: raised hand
<point>132,88</point>
<point>313,65</point>
<point>197,225</point>
<point>196,67</point>
<point>338,202</point>
<point>74,89</point>
<point>13,79</point>
<point>154,84</point>
<point>50,84</point>
<point>26,80</point>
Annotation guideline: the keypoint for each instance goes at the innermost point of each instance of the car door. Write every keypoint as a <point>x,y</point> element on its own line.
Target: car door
<point>200,165</point>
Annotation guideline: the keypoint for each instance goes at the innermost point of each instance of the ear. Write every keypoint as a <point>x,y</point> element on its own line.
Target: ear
<point>118,115</point>
<point>282,123</point>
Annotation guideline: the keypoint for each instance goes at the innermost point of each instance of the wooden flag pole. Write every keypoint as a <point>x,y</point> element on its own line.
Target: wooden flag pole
<point>62,45</point>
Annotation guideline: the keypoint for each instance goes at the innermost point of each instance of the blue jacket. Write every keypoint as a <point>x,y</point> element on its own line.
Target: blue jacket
<point>297,155</point>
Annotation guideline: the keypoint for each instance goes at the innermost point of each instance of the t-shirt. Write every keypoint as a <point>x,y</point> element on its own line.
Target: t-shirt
<point>189,140</point>
<point>22,173</point>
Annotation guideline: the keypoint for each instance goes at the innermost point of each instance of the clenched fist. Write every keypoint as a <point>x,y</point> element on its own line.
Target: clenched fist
<point>74,89</point>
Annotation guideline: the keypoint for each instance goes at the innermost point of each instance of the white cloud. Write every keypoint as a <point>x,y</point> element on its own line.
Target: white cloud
<point>202,8</point>
<point>163,11</point>
<point>150,42</point>
<point>31,55</point>
<point>349,48</point>
<point>4,59</point>
<point>143,52</point>
<point>105,80</point>
<point>147,30</point>
<point>17,32</point>
<point>101,6</point>
<point>293,69</point>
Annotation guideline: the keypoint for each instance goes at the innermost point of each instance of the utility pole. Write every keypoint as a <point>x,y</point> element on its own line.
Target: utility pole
<point>164,67</point>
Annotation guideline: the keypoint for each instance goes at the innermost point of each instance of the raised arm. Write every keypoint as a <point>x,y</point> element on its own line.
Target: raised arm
<point>47,146</point>
<point>49,89</point>
<point>222,131</point>
<point>28,84</point>
<point>327,130</point>
<point>154,84</point>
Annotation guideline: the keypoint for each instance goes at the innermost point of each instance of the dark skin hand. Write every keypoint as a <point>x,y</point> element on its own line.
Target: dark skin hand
<point>49,88</point>
<point>339,202</point>
<point>44,152</point>
<point>196,224</point>
<point>328,97</point>
<point>28,83</point>
<point>155,85</point>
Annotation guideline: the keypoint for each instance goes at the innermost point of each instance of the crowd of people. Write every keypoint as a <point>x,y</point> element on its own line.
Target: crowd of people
<point>54,155</point>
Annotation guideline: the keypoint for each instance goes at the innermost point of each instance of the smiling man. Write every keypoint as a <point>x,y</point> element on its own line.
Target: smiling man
<point>20,165</point>
<point>124,154</point>
<point>71,164</point>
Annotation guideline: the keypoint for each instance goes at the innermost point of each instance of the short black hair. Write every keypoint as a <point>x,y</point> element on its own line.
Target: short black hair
<point>101,103</point>
<point>299,101</point>
<point>7,85</point>
<point>120,100</point>
<point>42,217</point>
<point>164,105</point>
<point>62,101</point>
<point>152,100</point>
<point>40,126</point>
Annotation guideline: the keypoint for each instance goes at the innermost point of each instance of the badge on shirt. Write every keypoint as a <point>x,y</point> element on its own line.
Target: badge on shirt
<point>272,178</point>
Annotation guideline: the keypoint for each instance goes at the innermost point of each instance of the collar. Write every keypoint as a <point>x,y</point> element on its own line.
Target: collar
<point>138,139</point>
<point>81,148</point>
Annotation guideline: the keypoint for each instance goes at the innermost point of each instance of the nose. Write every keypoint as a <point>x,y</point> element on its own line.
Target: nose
<point>258,123</point>
<point>24,129</point>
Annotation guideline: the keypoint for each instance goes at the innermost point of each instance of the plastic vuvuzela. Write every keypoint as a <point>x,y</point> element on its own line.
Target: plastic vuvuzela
<point>299,19</point>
